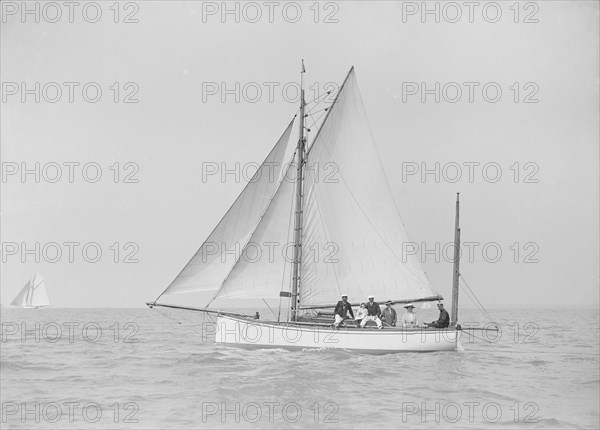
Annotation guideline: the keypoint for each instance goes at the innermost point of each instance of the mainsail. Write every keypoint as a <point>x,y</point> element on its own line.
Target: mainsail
<point>33,294</point>
<point>353,237</point>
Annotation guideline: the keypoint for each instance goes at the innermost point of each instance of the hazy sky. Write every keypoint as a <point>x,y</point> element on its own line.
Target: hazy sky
<point>542,212</point>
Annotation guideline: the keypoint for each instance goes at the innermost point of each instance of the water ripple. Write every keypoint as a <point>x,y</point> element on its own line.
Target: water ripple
<point>175,380</point>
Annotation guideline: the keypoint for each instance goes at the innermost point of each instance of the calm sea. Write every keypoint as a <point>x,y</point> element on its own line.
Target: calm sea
<point>140,368</point>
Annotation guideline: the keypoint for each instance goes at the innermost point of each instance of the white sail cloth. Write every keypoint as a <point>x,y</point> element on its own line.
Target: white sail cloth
<point>352,233</point>
<point>351,218</point>
<point>264,266</point>
<point>217,256</point>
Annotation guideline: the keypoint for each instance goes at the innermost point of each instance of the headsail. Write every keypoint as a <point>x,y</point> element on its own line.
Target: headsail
<point>214,261</point>
<point>351,218</point>
<point>21,299</point>
<point>263,268</point>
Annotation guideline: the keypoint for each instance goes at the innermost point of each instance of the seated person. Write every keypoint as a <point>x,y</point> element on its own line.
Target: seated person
<point>443,321</point>
<point>361,313</point>
<point>341,310</point>
<point>373,313</point>
<point>389,315</point>
<point>409,319</point>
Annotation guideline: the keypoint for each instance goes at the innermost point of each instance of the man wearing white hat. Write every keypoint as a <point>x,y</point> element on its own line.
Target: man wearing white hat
<point>409,319</point>
<point>373,313</point>
<point>341,310</point>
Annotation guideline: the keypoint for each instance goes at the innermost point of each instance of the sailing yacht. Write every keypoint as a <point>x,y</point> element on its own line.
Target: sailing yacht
<point>345,235</point>
<point>33,294</point>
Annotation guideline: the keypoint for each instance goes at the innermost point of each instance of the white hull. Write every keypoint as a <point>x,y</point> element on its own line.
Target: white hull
<point>259,335</point>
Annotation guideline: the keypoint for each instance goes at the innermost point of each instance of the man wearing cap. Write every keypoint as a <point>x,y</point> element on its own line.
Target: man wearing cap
<point>443,321</point>
<point>373,313</point>
<point>341,310</point>
<point>389,315</point>
<point>409,319</point>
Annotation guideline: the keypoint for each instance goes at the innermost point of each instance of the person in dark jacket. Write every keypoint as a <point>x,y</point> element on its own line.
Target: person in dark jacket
<point>389,314</point>
<point>374,312</point>
<point>341,311</point>
<point>444,319</point>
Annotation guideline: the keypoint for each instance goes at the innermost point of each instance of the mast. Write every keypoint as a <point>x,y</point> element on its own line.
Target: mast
<point>299,198</point>
<point>456,270</point>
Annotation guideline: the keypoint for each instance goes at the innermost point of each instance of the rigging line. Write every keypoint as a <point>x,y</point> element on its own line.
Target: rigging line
<point>319,105</point>
<point>482,309</point>
<point>319,110</point>
<point>168,317</point>
<point>250,236</point>
<point>479,304</point>
<point>321,116</point>
<point>374,228</point>
<point>315,121</point>
<point>321,127</point>
<point>210,317</point>
<point>233,204</point>
<point>310,112</point>
<point>462,278</point>
<point>317,100</point>
<point>324,109</point>
<point>269,307</point>
<point>473,293</point>
<point>320,98</point>
<point>472,297</point>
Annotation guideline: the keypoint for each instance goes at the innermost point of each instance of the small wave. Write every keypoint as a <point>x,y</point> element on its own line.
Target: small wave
<point>538,363</point>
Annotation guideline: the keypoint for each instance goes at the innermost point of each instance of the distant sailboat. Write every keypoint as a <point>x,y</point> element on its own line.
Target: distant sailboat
<point>33,294</point>
<point>354,214</point>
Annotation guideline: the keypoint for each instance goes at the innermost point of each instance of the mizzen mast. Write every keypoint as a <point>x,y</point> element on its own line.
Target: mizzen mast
<point>299,197</point>
<point>456,269</point>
